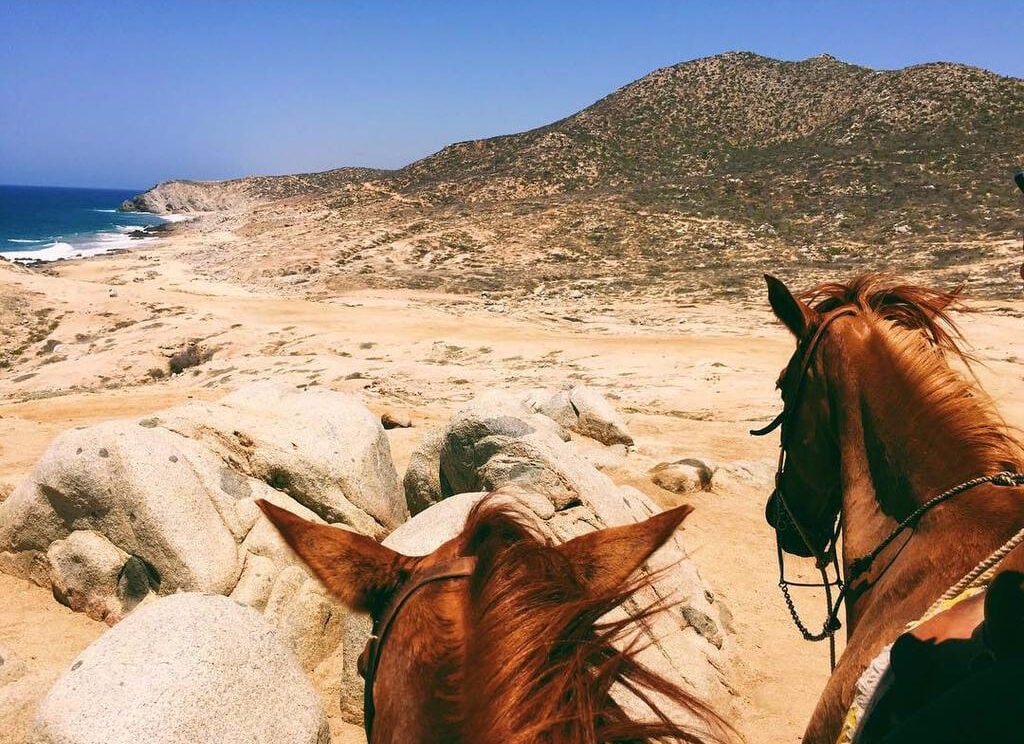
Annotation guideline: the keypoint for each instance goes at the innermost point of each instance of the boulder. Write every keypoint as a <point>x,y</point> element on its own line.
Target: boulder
<point>583,410</point>
<point>598,419</point>
<point>90,574</point>
<point>682,476</point>
<point>396,419</point>
<point>422,482</point>
<point>484,451</point>
<point>119,513</point>
<point>151,493</point>
<point>187,668</point>
<point>305,615</point>
<point>324,449</point>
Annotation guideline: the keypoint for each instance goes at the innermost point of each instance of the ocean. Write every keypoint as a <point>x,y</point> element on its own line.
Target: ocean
<point>47,224</point>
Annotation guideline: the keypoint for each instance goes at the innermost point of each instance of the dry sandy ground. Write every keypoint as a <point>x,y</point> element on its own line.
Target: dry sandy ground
<point>691,381</point>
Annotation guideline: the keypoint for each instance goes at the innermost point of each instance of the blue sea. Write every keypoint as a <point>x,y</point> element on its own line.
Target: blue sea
<point>48,224</point>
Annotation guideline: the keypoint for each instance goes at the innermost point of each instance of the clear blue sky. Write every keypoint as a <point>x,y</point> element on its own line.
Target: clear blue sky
<point>127,94</point>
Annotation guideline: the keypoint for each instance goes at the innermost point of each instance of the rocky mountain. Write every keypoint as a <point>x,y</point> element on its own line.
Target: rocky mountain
<point>706,163</point>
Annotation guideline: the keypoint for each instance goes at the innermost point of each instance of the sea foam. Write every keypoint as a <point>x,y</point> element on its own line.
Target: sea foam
<point>59,251</point>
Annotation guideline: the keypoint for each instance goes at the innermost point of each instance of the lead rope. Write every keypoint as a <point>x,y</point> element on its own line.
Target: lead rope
<point>861,565</point>
<point>983,569</point>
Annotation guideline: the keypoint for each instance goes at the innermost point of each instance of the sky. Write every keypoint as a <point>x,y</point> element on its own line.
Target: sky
<point>127,94</point>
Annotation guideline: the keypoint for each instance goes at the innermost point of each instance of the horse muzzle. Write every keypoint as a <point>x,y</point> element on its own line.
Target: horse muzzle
<point>789,536</point>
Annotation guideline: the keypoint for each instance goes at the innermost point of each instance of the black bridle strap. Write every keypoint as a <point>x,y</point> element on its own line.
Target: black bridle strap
<point>805,364</point>
<point>769,428</point>
<point>459,568</point>
<point>831,624</point>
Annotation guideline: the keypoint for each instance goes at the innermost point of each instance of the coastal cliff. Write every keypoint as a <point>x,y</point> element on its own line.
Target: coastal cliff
<point>189,196</point>
<point>218,196</point>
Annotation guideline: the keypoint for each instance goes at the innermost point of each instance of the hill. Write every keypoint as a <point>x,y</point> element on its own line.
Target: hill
<point>713,164</point>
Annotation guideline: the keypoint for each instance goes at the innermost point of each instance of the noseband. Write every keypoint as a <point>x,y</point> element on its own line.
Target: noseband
<point>460,568</point>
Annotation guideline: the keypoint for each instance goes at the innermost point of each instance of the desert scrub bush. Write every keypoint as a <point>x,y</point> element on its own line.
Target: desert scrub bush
<point>156,373</point>
<point>191,355</point>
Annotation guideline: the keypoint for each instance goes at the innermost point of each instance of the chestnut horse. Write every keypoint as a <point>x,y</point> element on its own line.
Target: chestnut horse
<point>497,636</point>
<point>876,424</point>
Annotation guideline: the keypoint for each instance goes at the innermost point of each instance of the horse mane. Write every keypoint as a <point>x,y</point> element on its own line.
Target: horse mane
<point>916,325</point>
<point>541,660</point>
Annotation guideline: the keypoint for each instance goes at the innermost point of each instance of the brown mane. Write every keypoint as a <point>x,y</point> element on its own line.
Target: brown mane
<point>541,648</point>
<point>915,324</point>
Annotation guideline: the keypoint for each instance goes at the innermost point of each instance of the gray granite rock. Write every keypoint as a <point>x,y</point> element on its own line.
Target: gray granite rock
<point>187,668</point>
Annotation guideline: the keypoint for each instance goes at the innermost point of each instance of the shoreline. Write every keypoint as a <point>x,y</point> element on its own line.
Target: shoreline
<point>100,243</point>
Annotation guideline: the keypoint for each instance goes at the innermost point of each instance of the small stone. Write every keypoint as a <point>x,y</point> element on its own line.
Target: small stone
<point>682,476</point>
<point>395,419</point>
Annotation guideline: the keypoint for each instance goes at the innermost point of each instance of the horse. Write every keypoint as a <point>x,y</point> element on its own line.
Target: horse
<point>889,447</point>
<point>500,636</point>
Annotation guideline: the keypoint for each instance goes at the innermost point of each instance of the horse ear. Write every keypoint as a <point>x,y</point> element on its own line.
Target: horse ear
<point>796,315</point>
<point>356,569</point>
<point>606,558</point>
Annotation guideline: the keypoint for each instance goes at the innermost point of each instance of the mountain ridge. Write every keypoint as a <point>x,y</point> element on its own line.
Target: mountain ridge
<point>819,162</point>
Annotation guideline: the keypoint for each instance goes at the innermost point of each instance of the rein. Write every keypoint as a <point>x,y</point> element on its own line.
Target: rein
<point>459,568</point>
<point>829,554</point>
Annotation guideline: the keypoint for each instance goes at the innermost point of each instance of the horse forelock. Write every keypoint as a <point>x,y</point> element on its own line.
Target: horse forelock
<point>907,306</point>
<point>540,660</point>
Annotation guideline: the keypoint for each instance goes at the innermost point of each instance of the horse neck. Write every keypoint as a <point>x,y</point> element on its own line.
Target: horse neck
<point>898,449</point>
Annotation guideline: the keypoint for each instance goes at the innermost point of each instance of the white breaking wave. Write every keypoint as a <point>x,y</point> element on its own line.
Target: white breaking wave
<point>59,251</point>
<point>25,240</point>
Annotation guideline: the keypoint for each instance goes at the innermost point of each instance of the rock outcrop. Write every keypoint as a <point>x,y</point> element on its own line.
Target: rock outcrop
<point>324,449</point>
<point>117,514</point>
<point>552,415</point>
<point>187,668</point>
<point>209,196</point>
<point>483,449</point>
<point>585,411</point>
<point>179,197</point>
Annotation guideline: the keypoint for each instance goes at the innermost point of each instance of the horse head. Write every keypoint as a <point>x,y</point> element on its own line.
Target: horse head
<point>495,636</point>
<point>807,498</point>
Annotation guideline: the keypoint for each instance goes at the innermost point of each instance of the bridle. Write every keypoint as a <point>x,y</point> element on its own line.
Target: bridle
<point>829,554</point>
<point>459,568</point>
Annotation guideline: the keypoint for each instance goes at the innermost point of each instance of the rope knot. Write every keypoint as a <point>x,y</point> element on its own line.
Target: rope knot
<point>1008,479</point>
